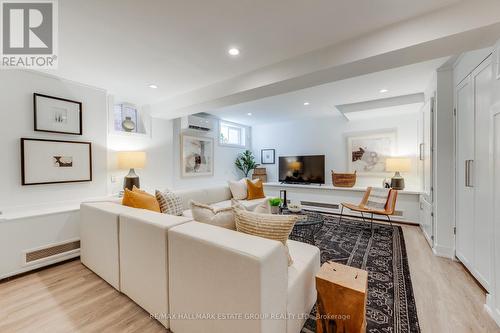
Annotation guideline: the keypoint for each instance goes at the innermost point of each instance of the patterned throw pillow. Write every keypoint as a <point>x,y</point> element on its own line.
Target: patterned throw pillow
<point>275,227</point>
<point>169,202</point>
<point>377,198</point>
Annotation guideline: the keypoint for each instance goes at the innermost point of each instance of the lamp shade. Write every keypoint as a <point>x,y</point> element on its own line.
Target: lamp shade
<point>131,159</point>
<point>398,164</point>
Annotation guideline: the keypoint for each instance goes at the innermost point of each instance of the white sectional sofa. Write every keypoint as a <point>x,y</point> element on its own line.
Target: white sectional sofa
<point>187,273</point>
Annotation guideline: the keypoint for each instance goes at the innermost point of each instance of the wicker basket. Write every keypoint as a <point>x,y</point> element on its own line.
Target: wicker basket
<point>343,179</point>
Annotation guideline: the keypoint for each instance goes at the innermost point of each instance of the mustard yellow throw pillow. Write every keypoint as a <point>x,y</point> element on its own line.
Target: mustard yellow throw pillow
<point>255,190</point>
<point>140,199</point>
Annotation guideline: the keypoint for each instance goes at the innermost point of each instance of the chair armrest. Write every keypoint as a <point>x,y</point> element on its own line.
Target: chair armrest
<point>216,271</point>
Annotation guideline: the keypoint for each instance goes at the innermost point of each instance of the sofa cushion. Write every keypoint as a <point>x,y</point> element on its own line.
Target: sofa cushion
<point>206,195</point>
<point>238,188</point>
<point>140,200</point>
<point>263,207</point>
<point>220,217</point>
<point>249,204</point>
<point>255,190</point>
<point>275,227</point>
<point>170,203</point>
<point>301,283</point>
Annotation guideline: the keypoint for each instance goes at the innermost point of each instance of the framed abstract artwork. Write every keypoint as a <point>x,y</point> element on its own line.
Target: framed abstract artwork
<point>55,161</point>
<point>368,151</point>
<point>197,156</point>
<point>267,156</point>
<point>57,115</point>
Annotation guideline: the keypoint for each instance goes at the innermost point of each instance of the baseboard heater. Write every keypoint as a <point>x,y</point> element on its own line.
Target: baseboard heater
<point>49,252</point>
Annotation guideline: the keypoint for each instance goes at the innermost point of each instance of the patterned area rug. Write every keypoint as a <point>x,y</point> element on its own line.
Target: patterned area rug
<point>391,305</point>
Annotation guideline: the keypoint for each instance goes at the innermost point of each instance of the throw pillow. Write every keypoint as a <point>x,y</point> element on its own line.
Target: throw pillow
<point>220,217</point>
<point>275,227</point>
<point>377,199</point>
<point>140,200</point>
<point>255,190</point>
<point>238,189</point>
<point>263,208</point>
<point>170,203</point>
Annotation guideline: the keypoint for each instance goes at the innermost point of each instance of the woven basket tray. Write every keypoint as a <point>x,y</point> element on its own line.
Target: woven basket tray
<point>343,179</point>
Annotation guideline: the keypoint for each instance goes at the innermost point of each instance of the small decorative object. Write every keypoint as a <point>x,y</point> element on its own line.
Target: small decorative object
<point>125,118</point>
<point>398,165</point>
<point>197,156</point>
<point>128,125</point>
<point>267,156</point>
<point>386,183</point>
<point>57,115</point>
<point>245,162</point>
<point>55,161</point>
<point>343,179</point>
<point>275,205</point>
<point>368,151</point>
<point>260,173</point>
<point>283,198</point>
<point>131,160</point>
<point>295,207</point>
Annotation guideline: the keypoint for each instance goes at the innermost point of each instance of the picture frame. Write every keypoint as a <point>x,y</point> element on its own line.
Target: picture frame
<point>57,115</point>
<point>368,151</point>
<point>55,161</point>
<point>268,156</point>
<point>197,156</point>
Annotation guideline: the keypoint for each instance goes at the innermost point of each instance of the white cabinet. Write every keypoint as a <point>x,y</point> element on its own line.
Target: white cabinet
<point>474,203</point>
<point>426,150</point>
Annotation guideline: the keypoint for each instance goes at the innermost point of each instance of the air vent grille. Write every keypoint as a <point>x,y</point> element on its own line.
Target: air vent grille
<point>320,204</point>
<point>51,251</point>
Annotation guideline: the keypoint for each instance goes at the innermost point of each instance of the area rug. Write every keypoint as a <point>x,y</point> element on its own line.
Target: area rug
<point>391,305</point>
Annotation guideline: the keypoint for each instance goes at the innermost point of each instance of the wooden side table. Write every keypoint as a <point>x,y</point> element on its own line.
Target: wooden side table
<point>342,293</point>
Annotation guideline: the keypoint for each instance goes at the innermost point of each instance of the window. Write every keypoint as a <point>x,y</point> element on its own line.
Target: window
<point>231,134</point>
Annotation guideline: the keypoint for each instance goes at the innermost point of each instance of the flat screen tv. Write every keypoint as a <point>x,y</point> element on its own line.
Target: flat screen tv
<point>302,169</point>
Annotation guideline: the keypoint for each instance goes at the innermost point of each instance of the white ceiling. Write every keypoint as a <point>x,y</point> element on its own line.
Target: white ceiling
<point>399,81</point>
<point>180,45</point>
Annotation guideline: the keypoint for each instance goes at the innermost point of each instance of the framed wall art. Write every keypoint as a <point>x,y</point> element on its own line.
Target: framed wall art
<point>197,156</point>
<point>54,161</point>
<point>267,156</point>
<point>57,115</point>
<point>368,151</point>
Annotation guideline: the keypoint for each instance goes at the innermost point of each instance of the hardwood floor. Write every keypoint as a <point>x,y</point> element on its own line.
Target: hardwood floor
<point>70,298</point>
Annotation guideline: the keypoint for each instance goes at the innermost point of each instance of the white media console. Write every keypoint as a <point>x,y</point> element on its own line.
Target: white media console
<point>328,198</point>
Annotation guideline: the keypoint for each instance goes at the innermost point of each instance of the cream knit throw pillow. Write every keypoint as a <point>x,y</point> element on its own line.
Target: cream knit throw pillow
<point>275,227</point>
<point>220,217</point>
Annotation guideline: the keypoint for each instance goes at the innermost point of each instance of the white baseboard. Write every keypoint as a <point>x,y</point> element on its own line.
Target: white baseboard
<point>445,252</point>
<point>491,309</point>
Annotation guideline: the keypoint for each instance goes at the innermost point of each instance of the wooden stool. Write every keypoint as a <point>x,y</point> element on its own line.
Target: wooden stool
<point>342,292</point>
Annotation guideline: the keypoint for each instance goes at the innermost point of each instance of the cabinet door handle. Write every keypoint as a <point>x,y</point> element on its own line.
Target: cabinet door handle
<point>468,173</point>
<point>421,152</point>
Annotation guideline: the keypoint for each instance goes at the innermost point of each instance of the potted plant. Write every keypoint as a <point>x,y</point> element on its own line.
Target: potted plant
<point>275,205</point>
<point>245,162</point>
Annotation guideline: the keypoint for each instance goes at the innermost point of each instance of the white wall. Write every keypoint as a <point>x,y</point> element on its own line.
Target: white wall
<point>224,158</point>
<point>16,116</point>
<point>327,136</point>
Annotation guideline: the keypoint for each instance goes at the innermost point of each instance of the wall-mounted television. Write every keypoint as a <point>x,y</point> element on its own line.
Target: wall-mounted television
<point>302,169</point>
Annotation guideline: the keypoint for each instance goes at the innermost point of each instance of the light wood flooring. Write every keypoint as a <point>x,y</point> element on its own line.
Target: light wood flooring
<point>70,298</point>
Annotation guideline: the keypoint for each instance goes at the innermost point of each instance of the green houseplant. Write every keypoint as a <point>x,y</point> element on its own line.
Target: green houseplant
<point>275,205</point>
<point>245,162</point>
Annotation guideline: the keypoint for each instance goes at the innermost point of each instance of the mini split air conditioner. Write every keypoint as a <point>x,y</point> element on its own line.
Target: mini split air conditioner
<point>196,123</point>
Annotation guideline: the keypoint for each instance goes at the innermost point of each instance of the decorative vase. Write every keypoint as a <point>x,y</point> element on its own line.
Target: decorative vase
<point>128,125</point>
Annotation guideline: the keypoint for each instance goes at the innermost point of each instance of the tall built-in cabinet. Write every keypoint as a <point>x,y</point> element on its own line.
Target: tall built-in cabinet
<point>474,171</point>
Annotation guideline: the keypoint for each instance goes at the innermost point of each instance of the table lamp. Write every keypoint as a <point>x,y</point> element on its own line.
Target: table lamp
<point>131,160</point>
<point>397,165</point>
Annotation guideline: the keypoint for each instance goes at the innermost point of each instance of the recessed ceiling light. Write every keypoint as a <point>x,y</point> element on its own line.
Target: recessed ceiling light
<point>383,91</point>
<point>249,113</point>
<point>233,51</point>
<point>153,86</point>
<point>306,103</point>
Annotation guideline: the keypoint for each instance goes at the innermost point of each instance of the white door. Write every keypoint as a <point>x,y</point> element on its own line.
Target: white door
<point>482,173</point>
<point>426,202</point>
<point>464,183</point>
